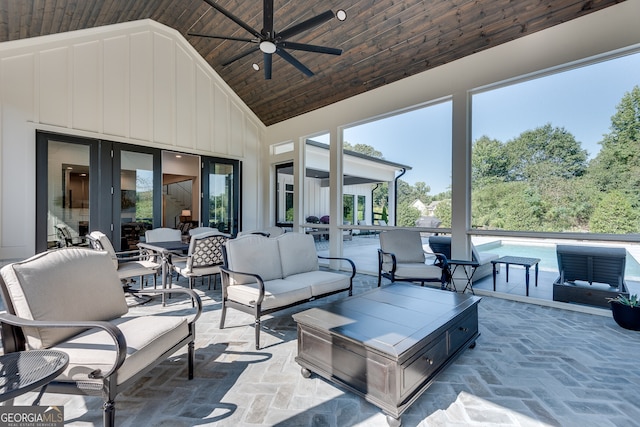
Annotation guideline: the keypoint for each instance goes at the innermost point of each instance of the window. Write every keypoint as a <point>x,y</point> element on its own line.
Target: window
<point>348,208</point>
<point>553,154</point>
<point>418,144</point>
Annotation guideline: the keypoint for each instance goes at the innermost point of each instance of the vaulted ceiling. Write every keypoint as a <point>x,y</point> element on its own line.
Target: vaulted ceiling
<point>382,40</point>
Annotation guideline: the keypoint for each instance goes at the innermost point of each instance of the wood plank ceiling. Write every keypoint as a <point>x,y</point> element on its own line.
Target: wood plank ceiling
<point>382,40</point>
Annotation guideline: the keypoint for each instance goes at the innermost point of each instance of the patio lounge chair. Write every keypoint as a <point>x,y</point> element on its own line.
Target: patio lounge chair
<point>401,257</point>
<point>442,244</point>
<point>71,300</point>
<point>590,274</point>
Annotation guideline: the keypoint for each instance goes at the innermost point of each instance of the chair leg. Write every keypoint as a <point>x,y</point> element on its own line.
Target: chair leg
<point>109,413</point>
<point>379,279</point>
<point>257,331</point>
<point>191,355</point>
<point>223,314</point>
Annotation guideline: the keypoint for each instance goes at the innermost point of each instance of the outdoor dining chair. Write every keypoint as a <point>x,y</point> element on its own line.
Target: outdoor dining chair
<point>204,258</point>
<point>128,264</point>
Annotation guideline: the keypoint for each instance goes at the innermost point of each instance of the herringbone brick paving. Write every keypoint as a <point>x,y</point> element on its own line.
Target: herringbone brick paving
<point>532,366</point>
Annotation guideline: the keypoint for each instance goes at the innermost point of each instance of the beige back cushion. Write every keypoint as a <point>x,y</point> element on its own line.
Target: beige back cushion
<point>64,284</point>
<point>255,254</point>
<point>405,244</point>
<point>297,253</point>
<point>162,235</point>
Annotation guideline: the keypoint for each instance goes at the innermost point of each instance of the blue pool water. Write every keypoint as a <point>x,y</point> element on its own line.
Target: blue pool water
<point>546,253</point>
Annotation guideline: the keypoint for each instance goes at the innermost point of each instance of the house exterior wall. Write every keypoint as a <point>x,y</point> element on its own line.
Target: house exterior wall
<point>140,83</point>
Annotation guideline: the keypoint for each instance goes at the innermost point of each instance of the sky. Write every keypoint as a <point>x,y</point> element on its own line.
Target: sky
<point>580,100</point>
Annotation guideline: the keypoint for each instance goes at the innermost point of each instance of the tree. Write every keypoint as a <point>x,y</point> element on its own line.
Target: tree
<point>407,215</point>
<point>617,165</point>
<point>443,213</point>
<point>614,214</point>
<point>544,152</point>
<point>363,149</point>
<point>489,162</point>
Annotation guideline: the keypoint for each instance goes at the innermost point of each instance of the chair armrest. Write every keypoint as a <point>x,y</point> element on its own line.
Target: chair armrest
<point>227,274</point>
<point>194,296</point>
<point>441,260</point>
<point>115,333</point>
<point>353,266</point>
<point>382,254</point>
<point>131,255</point>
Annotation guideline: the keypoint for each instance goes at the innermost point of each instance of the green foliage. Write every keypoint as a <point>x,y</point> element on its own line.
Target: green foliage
<point>363,149</point>
<point>632,301</point>
<point>443,213</point>
<point>144,204</point>
<point>541,180</point>
<point>407,215</point>
<point>614,214</point>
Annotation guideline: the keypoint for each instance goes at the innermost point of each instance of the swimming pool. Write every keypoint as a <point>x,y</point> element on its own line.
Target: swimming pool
<point>546,253</point>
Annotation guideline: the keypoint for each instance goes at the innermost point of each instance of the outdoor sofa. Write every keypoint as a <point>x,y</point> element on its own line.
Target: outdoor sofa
<point>262,275</point>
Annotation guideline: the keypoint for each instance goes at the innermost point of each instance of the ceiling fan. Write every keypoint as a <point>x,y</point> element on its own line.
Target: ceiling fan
<point>269,41</point>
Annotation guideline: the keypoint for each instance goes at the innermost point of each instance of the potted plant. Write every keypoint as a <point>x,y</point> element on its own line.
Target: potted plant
<point>626,311</point>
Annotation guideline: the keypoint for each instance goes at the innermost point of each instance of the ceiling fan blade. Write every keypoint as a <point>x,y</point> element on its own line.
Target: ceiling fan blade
<point>293,61</point>
<point>212,36</point>
<point>306,25</point>
<point>267,18</point>
<point>241,55</point>
<point>234,18</point>
<point>310,48</point>
<point>268,62</point>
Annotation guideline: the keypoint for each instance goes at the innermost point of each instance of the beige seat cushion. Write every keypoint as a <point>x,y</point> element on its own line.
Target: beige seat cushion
<point>147,339</point>
<point>64,284</point>
<point>278,293</point>
<point>416,270</point>
<point>137,268</point>
<point>321,282</point>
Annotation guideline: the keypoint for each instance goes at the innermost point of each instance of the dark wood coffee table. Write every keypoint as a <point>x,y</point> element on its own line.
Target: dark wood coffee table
<point>387,345</point>
<point>527,263</point>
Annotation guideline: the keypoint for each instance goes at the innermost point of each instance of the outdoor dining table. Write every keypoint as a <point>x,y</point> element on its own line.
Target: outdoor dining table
<point>165,250</point>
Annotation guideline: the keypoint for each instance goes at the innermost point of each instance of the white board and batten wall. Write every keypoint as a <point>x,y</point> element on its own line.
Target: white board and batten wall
<point>140,83</point>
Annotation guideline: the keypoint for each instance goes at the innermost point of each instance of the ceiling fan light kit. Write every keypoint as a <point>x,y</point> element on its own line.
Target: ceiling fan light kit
<point>270,42</point>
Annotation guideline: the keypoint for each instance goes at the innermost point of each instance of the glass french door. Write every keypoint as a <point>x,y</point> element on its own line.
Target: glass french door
<point>137,196</point>
<point>221,194</point>
<point>84,185</point>
<point>66,183</point>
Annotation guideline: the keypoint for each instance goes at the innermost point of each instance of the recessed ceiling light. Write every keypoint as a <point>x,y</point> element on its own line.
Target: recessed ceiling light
<point>341,14</point>
<point>178,156</point>
<point>256,66</point>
